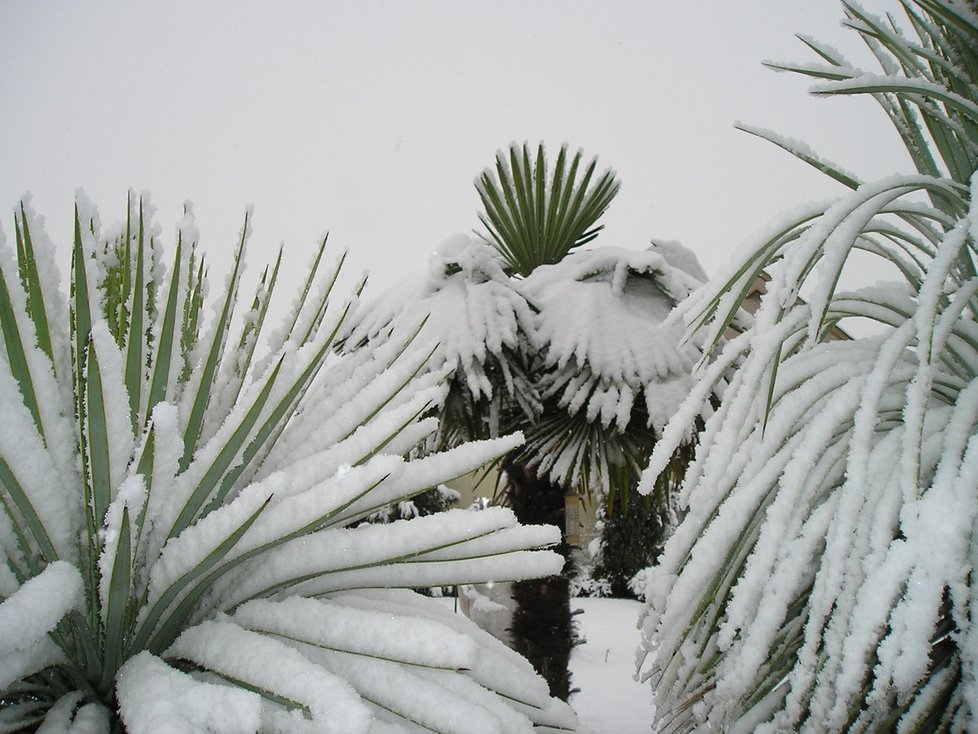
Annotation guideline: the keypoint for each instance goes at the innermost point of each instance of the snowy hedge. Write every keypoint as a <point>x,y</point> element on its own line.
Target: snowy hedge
<point>824,578</point>
<point>174,549</point>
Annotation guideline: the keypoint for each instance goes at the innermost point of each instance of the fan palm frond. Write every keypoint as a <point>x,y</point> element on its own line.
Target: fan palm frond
<point>536,217</point>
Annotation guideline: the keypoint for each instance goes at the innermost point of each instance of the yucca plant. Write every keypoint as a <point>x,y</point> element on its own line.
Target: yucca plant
<point>174,549</point>
<point>824,577</point>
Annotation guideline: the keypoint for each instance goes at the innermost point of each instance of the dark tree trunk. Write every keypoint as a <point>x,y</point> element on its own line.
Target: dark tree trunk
<point>542,628</point>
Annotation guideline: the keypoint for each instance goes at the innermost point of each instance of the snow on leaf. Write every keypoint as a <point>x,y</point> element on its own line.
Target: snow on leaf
<point>277,671</point>
<point>820,579</point>
<point>179,530</point>
<point>155,698</point>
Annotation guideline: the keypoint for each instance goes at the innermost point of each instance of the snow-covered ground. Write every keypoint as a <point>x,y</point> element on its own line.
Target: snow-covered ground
<point>610,700</point>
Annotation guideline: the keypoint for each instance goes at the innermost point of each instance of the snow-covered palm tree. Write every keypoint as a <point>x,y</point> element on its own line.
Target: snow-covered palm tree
<point>177,541</point>
<point>567,345</point>
<point>824,578</point>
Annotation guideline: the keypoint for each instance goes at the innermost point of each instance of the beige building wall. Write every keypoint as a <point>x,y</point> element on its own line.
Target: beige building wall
<point>480,487</point>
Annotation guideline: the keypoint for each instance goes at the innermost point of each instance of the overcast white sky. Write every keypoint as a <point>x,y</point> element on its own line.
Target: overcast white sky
<point>371,119</point>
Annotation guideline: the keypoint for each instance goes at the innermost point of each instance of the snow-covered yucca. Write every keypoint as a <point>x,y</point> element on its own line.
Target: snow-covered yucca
<point>174,549</point>
<point>824,578</point>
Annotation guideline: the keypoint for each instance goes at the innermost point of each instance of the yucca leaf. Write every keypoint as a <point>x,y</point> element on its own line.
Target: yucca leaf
<point>827,54</point>
<point>286,703</point>
<point>830,73</point>
<point>141,588</point>
<point>306,287</point>
<point>275,422</point>
<point>156,637</point>
<point>259,306</point>
<point>117,604</point>
<point>213,359</point>
<point>223,460</point>
<point>196,280</point>
<point>803,154</point>
<point>911,88</point>
<point>323,305</point>
<point>16,353</point>
<point>165,345</point>
<point>35,295</point>
<point>96,448</point>
<point>81,324</point>
<point>381,445</point>
<point>144,468</point>
<point>27,511</point>
<point>135,337</point>
<point>80,328</point>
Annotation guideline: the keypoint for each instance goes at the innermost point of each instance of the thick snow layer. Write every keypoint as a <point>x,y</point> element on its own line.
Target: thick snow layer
<point>29,614</point>
<point>495,666</point>
<point>37,606</point>
<point>603,668</point>
<point>155,698</point>
<point>466,305</point>
<point>269,665</point>
<point>25,455</point>
<point>605,309</point>
<point>336,628</point>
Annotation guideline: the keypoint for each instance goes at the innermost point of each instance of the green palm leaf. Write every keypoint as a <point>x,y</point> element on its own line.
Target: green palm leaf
<point>535,217</point>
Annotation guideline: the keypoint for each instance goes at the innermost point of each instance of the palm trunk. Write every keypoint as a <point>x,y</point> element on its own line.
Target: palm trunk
<point>542,628</point>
